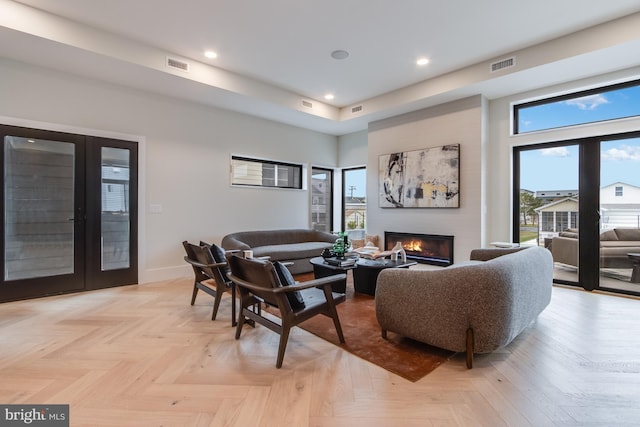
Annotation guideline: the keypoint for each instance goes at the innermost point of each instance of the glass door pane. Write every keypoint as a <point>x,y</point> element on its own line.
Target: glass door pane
<point>620,214</point>
<point>549,205</point>
<point>115,211</point>
<point>321,199</point>
<point>39,208</point>
<point>112,212</point>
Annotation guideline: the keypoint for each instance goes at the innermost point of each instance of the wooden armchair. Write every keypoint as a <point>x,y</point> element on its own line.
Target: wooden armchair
<point>210,275</point>
<point>260,281</point>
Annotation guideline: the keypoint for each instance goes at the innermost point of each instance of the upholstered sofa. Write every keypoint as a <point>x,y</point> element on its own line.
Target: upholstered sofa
<point>615,244</point>
<point>475,306</point>
<point>295,246</point>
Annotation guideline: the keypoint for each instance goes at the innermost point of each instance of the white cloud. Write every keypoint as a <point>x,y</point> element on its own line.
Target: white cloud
<point>590,102</point>
<point>624,152</point>
<point>555,152</point>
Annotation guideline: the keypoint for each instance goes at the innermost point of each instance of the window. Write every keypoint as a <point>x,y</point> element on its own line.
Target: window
<point>589,106</point>
<point>265,173</point>
<point>321,199</point>
<point>546,221</point>
<point>354,197</point>
<point>618,191</point>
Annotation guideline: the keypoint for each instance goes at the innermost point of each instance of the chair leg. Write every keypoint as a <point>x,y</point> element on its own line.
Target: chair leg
<point>216,304</point>
<point>240,322</point>
<point>333,313</point>
<point>336,323</point>
<point>284,337</point>
<point>233,305</point>
<point>470,347</point>
<point>195,292</point>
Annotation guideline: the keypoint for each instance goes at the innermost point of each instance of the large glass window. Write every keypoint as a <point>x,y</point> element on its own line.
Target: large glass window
<point>321,199</point>
<point>265,173</point>
<point>354,196</point>
<point>594,105</point>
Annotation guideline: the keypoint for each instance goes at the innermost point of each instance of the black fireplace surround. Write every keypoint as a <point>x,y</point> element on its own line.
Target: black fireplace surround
<point>431,249</point>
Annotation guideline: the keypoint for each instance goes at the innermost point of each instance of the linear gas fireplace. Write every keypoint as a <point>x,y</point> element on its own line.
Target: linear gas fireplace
<point>424,248</point>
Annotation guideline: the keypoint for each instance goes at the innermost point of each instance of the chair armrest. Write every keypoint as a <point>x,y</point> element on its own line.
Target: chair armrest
<point>198,264</point>
<point>323,281</point>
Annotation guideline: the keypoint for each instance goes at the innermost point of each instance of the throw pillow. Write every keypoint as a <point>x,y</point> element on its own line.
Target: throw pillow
<point>286,279</point>
<point>373,238</point>
<point>219,255</point>
<point>357,243</point>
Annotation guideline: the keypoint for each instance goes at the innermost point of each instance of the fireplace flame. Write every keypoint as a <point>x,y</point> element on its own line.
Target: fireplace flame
<point>413,245</point>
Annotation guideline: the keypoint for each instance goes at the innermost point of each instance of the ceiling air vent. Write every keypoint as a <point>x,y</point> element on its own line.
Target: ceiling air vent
<point>177,64</point>
<point>356,109</point>
<point>502,64</point>
<point>307,104</point>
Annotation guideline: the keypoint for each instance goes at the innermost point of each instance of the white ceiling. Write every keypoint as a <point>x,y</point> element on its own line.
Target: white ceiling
<point>271,54</point>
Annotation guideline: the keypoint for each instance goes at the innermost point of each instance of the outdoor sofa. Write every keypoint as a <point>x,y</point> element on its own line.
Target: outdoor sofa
<point>615,244</point>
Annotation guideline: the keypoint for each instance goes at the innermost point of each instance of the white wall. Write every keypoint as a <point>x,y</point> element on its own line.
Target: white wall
<point>460,122</point>
<point>186,149</point>
<point>353,149</point>
<point>499,175</point>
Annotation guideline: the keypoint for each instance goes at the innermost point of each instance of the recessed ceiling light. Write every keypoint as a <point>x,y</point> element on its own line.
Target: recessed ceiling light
<point>422,61</point>
<point>329,96</point>
<point>339,54</point>
<point>210,54</point>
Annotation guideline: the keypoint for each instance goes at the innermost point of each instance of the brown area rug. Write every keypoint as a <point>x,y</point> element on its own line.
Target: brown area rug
<point>407,358</point>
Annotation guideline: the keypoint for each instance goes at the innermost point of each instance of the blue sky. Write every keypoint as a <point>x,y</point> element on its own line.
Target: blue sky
<point>592,108</point>
<point>357,179</point>
<point>557,168</point>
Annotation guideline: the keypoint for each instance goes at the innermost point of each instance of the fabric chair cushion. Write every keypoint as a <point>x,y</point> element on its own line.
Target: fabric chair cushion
<point>286,279</point>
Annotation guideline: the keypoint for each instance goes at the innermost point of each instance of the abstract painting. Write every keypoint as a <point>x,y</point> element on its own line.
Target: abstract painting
<point>426,178</point>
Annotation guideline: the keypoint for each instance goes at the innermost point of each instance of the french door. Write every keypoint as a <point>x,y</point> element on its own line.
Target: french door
<point>573,197</point>
<point>69,213</point>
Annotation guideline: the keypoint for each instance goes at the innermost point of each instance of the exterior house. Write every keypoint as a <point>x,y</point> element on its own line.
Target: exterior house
<point>557,216</point>
<point>619,208</point>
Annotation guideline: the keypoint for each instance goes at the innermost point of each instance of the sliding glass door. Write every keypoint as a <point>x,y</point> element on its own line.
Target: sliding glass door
<point>581,200</point>
<point>548,208</point>
<point>619,201</point>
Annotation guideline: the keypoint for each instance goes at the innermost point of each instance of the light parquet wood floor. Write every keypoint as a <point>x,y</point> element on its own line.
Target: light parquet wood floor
<point>142,356</point>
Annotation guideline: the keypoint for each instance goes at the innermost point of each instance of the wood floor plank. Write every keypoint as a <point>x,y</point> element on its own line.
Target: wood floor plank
<point>142,355</point>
